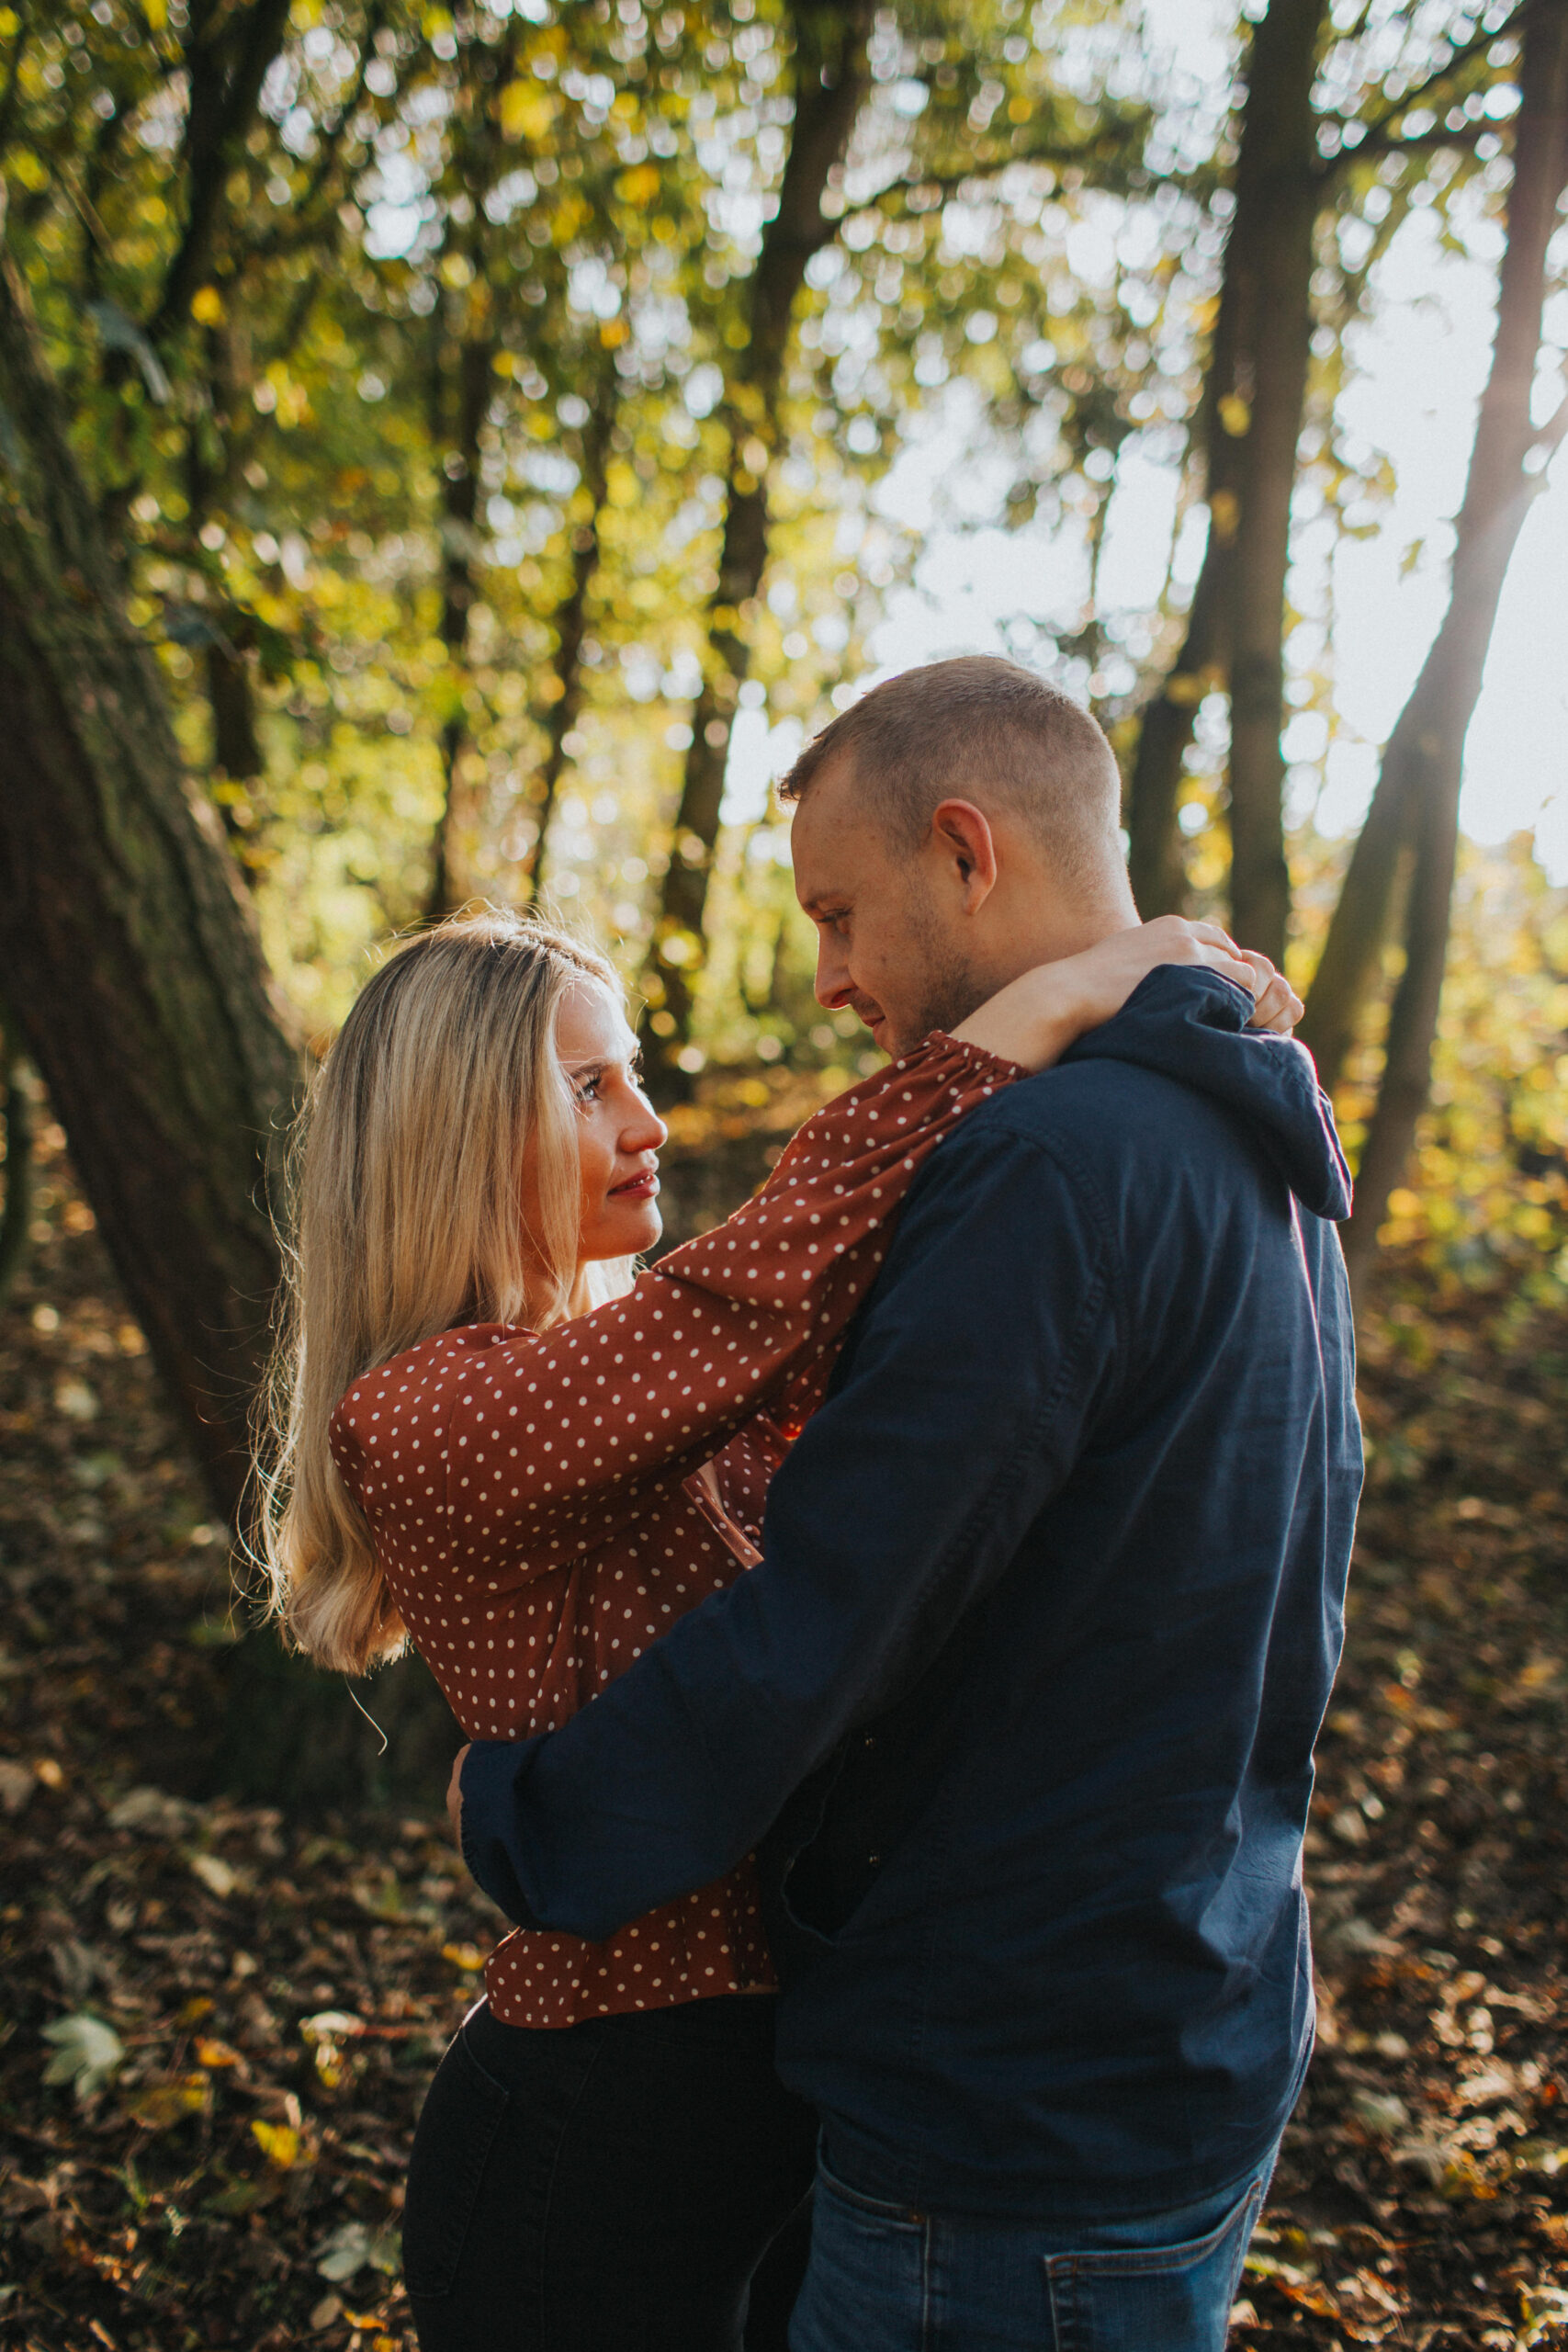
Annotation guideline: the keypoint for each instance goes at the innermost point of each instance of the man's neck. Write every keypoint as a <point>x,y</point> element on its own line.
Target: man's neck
<point>1045,937</point>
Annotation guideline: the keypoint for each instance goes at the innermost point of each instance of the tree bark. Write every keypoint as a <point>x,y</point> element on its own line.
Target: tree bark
<point>572,626</point>
<point>831,81</point>
<point>461,386</point>
<point>1432,732</point>
<point>127,950</point>
<point>1250,424</point>
<point>1279,181</point>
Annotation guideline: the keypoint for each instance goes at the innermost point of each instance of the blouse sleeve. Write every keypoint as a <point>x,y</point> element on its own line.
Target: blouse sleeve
<point>544,1443</point>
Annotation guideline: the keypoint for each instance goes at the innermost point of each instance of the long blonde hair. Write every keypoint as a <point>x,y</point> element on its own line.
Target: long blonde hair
<point>408,1219</point>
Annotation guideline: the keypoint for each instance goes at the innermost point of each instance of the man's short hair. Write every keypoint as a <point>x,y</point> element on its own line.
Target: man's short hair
<point>977,727</point>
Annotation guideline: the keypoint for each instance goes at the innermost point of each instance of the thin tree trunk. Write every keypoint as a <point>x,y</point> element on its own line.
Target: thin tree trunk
<point>1498,497</point>
<point>1252,404</point>
<point>129,954</point>
<point>1284,198</point>
<point>572,626</point>
<point>462,381</point>
<point>16,1116</point>
<point>831,81</point>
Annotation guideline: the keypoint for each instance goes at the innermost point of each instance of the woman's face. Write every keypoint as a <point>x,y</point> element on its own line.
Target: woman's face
<point>618,1132</point>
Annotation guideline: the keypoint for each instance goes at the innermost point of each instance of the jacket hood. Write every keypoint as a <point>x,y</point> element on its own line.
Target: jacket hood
<point>1190,1024</point>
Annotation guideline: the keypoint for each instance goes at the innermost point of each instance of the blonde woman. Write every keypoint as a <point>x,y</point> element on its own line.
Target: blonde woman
<point>500,1441</point>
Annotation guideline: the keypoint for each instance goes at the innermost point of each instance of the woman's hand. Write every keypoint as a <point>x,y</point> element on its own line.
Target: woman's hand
<point>1035,1018</point>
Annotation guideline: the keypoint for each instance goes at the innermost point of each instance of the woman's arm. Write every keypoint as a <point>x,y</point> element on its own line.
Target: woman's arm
<point>1036,1018</point>
<point>548,1441</point>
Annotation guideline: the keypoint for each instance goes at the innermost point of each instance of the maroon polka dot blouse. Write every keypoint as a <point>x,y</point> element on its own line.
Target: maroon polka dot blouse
<point>544,1504</point>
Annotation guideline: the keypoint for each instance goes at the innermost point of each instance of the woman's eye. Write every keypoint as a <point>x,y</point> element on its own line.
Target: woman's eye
<point>587,1088</point>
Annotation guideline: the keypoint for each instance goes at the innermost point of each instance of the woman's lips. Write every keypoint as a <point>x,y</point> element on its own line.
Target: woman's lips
<point>636,1188</point>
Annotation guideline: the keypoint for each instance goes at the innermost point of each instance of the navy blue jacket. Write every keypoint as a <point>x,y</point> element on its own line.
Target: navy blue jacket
<point>1029,1675</point>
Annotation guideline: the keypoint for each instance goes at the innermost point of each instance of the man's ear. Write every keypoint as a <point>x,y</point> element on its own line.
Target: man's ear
<point>961,837</point>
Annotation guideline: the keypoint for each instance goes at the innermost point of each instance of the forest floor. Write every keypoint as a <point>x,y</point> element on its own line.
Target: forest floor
<point>218,2023</point>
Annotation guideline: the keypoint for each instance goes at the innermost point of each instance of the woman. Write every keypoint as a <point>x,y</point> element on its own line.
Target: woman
<point>499,1444</point>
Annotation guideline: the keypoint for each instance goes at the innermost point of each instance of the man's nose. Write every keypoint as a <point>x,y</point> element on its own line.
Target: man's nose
<point>834,986</point>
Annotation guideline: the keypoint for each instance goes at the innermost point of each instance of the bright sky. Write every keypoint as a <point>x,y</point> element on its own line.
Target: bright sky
<point>1420,365</point>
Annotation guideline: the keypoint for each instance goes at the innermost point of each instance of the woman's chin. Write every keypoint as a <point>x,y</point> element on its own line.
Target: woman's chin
<point>631,1229</point>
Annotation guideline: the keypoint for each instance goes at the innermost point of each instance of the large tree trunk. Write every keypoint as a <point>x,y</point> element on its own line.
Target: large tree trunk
<point>831,80</point>
<point>129,962</point>
<point>126,950</point>
<point>1250,424</point>
<point>1498,497</point>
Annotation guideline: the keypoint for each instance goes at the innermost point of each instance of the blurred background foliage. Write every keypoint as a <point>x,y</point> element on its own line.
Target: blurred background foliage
<point>418,361</point>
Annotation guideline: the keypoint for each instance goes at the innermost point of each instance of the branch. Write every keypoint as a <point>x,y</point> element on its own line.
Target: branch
<point>207,150</point>
<point>277,241</point>
<point>1374,135</point>
<point>949,183</point>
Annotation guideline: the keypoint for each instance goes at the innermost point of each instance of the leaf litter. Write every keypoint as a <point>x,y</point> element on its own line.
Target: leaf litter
<point>218,2022</point>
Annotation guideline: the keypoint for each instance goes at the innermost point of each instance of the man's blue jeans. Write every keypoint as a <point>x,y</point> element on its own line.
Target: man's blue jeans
<point>884,2280</point>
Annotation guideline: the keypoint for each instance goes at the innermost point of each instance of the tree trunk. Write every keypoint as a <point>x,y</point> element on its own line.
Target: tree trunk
<point>461,385</point>
<point>17,1124</point>
<point>572,626</point>
<point>129,954</point>
<point>1277,181</point>
<point>1251,413</point>
<point>831,81</point>
<point>1431,733</point>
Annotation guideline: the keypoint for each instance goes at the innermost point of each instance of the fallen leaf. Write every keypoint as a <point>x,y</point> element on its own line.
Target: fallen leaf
<point>87,2052</point>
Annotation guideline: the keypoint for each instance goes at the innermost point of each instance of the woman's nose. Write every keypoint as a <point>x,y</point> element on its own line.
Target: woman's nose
<point>646,1131</point>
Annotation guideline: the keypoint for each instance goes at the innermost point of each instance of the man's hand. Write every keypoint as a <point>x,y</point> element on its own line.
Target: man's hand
<point>455,1799</point>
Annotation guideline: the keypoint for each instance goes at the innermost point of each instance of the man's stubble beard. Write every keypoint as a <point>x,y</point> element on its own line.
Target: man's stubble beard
<point>943,987</point>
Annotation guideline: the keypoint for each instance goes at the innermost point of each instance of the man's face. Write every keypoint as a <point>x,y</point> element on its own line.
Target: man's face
<point>887,943</point>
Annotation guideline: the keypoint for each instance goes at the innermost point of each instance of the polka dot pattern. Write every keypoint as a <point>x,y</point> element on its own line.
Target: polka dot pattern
<point>545,1505</point>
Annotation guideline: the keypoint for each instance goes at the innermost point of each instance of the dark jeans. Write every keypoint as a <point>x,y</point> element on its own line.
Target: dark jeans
<point>610,2186</point>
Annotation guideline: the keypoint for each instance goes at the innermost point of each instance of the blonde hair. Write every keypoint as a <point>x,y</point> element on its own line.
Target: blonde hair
<point>408,1219</point>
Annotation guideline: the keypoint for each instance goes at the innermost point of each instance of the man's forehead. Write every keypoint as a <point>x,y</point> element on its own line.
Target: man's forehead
<point>832,841</point>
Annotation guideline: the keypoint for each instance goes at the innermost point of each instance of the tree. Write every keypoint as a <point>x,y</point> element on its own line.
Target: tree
<point>830,71</point>
<point>1251,419</point>
<point>1424,764</point>
<point>131,962</point>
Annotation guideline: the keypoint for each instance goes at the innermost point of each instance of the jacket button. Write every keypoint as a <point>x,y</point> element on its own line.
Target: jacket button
<point>874,1861</point>
<point>869,1740</point>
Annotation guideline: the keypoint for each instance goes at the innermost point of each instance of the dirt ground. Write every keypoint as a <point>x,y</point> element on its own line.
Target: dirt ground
<point>218,2023</point>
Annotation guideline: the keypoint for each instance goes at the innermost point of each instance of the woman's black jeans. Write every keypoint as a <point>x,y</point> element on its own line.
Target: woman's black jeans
<point>610,2186</point>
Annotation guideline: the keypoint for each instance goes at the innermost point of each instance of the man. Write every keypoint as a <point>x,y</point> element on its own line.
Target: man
<point>1020,1703</point>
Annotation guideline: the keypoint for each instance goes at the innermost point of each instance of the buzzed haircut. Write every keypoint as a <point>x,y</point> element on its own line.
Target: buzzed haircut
<point>983,729</point>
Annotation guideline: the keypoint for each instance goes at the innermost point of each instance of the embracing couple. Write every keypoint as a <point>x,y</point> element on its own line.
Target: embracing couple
<point>893,1629</point>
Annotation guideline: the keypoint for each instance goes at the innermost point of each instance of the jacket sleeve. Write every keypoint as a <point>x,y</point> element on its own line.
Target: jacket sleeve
<point>535,1449</point>
<point>980,1366</point>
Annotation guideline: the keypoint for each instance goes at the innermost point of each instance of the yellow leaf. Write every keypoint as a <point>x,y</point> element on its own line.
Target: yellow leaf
<point>163,2104</point>
<point>639,186</point>
<point>612,333</point>
<point>526,111</point>
<point>1224,513</point>
<point>279,2143</point>
<point>207,307</point>
<point>1235,414</point>
<point>216,2054</point>
<point>463,1955</point>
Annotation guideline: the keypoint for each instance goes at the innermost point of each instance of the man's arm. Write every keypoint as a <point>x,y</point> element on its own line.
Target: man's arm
<point>982,1359</point>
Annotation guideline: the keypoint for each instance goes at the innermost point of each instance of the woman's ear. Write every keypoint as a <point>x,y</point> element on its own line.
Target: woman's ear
<point>961,837</point>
